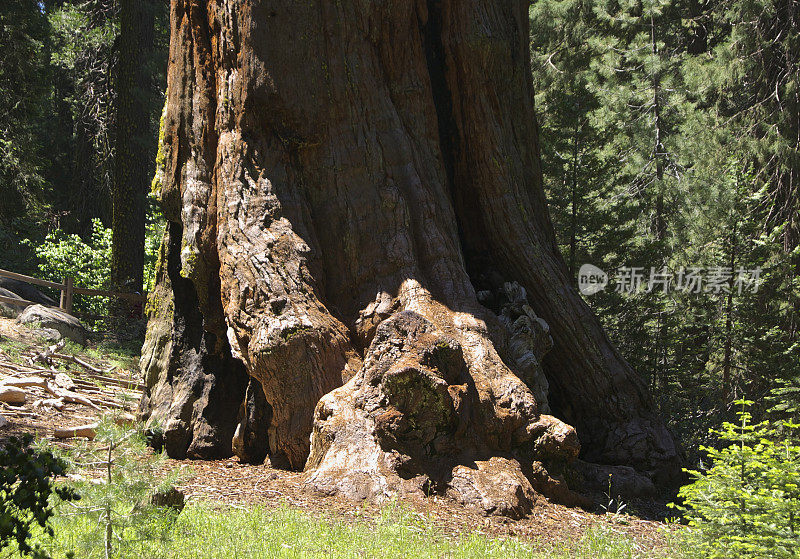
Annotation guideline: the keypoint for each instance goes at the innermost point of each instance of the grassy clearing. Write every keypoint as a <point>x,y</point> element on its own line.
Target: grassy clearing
<point>121,354</point>
<point>124,355</point>
<point>203,531</point>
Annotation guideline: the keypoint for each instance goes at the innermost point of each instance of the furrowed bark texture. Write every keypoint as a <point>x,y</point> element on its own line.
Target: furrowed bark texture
<point>131,159</point>
<point>357,208</point>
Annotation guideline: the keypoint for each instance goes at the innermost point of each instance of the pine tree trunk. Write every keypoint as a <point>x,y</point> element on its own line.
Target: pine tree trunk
<point>132,148</point>
<point>357,207</point>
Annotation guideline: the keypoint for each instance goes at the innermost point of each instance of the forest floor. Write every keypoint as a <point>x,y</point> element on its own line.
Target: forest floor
<point>229,483</point>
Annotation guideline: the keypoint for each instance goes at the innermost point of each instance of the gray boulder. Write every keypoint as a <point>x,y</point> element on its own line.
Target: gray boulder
<point>171,498</point>
<point>26,291</point>
<point>7,309</point>
<point>54,319</point>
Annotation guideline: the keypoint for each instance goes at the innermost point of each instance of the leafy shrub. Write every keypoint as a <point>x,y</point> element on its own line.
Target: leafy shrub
<point>748,503</point>
<point>89,262</point>
<point>26,485</point>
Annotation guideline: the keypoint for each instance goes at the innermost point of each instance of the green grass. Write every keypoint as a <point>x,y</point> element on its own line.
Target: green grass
<point>202,531</point>
<point>13,349</point>
<point>124,355</point>
<point>120,354</point>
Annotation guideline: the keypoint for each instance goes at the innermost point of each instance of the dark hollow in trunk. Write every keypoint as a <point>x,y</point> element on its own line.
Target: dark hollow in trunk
<point>357,218</point>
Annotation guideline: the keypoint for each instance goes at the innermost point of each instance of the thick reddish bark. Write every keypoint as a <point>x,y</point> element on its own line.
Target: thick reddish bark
<point>358,195</point>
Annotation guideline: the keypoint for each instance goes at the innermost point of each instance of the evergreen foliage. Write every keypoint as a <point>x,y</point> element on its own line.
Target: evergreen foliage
<point>57,118</point>
<point>24,35</point>
<point>748,503</point>
<point>670,140</point>
<point>26,486</point>
<point>118,508</point>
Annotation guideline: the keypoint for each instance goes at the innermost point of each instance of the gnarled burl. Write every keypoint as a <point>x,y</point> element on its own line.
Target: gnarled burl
<point>360,276</point>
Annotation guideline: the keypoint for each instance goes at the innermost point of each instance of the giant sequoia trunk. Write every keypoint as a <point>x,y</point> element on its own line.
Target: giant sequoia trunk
<point>360,275</point>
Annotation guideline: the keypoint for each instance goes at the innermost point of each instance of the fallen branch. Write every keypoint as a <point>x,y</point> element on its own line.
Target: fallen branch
<point>27,370</point>
<point>90,429</point>
<point>130,384</point>
<point>117,382</point>
<point>14,410</point>
<point>11,391</point>
<point>15,366</point>
<point>57,403</point>
<point>82,363</point>
<point>70,396</point>
<point>21,413</point>
<point>46,355</point>
<point>114,405</point>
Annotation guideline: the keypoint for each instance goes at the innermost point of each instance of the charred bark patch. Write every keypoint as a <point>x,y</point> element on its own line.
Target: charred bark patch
<point>194,386</point>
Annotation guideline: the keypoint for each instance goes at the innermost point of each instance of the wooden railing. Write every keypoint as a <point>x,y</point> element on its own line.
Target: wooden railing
<point>67,289</point>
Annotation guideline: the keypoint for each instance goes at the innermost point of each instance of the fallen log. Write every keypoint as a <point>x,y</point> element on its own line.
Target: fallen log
<point>89,431</point>
<point>24,382</point>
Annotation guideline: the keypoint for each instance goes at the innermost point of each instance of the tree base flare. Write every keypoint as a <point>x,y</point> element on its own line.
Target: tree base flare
<point>420,418</point>
<point>358,225</point>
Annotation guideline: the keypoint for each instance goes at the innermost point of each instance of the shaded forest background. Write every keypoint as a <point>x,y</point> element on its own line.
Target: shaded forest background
<point>669,131</point>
